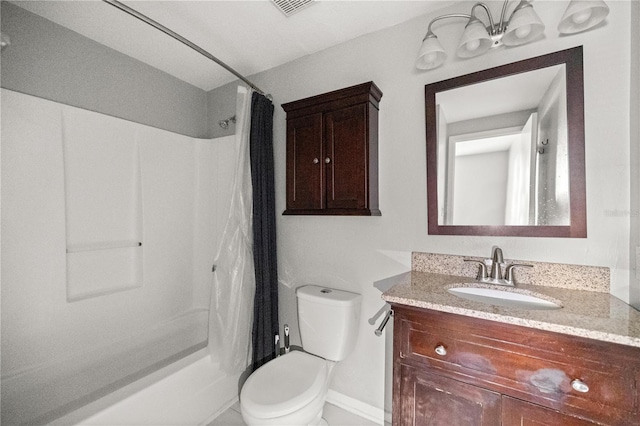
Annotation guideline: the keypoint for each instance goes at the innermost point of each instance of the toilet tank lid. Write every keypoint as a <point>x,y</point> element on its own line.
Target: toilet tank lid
<point>328,296</point>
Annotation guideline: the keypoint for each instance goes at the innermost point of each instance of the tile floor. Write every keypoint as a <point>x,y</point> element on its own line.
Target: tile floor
<point>335,416</point>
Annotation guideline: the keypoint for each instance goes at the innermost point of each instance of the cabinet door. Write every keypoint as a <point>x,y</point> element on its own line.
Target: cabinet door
<point>520,413</point>
<point>429,399</point>
<point>347,157</point>
<point>305,163</point>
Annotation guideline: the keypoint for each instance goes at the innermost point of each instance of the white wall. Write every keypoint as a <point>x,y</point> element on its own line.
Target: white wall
<point>354,252</point>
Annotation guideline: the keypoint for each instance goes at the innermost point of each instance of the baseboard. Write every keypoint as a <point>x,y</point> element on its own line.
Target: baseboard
<point>357,407</point>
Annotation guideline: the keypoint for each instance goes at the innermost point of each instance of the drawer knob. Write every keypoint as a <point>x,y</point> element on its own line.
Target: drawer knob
<point>316,161</point>
<point>579,386</point>
<point>327,160</point>
<point>440,350</point>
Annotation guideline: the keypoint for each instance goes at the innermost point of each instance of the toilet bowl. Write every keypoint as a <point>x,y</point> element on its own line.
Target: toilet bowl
<point>292,389</point>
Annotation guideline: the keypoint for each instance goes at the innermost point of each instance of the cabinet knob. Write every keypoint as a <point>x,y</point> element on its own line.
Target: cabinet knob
<point>440,350</point>
<point>316,160</point>
<point>327,160</point>
<point>579,385</point>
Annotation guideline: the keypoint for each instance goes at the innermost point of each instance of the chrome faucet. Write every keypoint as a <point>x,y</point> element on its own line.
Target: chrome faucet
<point>496,276</point>
<point>496,264</point>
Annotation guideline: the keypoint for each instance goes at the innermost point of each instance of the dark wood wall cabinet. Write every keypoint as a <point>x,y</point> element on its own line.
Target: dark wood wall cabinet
<point>332,153</point>
<point>455,370</point>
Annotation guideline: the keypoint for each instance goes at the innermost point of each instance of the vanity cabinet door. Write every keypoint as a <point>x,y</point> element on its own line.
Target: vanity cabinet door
<point>430,399</point>
<point>520,413</point>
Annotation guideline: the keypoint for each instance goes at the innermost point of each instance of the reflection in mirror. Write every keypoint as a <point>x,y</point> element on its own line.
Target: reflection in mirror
<point>523,140</point>
<point>506,150</point>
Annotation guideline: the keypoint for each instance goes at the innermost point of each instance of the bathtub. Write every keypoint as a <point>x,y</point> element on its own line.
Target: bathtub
<point>192,391</point>
<point>163,376</point>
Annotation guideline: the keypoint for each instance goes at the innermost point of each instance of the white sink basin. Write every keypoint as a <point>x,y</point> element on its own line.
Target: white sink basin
<point>512,299</point>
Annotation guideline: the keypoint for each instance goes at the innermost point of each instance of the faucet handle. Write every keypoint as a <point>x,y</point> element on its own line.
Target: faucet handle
<point>509,271</point>
<point>482,272</point>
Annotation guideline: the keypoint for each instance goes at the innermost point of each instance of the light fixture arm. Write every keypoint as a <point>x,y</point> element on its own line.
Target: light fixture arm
<point>521,5</point>
<point>492,26</point>
<point>450,15</point>
<point>501,26</point>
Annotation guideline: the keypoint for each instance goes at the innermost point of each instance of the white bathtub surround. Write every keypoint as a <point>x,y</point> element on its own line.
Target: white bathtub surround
<point>70,336</point>
<point>193,395</point>
<point>103,204</point>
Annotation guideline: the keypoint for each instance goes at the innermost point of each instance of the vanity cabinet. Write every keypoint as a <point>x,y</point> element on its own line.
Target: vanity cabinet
<point>431,399</point>
<point>521,413</point>
<point>453,369</point>
<point>332,153</point>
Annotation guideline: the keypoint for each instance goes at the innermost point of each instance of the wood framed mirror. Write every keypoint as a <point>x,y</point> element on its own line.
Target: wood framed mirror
<point>505,150</point>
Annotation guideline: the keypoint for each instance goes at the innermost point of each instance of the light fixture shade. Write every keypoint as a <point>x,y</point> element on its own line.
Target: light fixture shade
<point>431,54</point>
<point>524,25</point>
<point>475,39</point>
<point>582,15</point>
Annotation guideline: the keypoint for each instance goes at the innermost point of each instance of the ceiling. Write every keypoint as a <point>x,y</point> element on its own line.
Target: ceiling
<point>250,36</point>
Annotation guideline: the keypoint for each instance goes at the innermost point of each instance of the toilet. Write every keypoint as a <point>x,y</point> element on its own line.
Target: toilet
<point>292,389</point>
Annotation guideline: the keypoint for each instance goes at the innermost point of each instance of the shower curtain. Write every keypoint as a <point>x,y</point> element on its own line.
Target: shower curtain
<point>265,306</point>
<point>244,294</point>
<point>233,285</point>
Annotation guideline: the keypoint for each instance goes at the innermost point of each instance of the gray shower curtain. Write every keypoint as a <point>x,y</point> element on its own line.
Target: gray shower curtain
<point>265,309</point>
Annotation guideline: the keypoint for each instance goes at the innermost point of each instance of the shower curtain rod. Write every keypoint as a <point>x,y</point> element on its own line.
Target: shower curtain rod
<point>181,39</point>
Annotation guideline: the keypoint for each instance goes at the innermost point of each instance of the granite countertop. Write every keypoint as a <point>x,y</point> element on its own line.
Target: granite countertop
<point>590,314</point>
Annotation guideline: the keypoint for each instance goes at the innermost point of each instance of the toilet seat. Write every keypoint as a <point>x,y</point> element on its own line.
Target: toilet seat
<point>284,385</point>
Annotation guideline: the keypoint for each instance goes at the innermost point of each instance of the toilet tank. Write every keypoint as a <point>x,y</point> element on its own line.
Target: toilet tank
<point>328,320</point>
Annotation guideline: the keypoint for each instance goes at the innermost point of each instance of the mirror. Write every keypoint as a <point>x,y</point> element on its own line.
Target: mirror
<point>505,150</point>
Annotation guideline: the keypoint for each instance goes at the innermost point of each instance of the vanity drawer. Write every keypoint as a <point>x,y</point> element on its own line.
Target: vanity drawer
<point>550,369</point>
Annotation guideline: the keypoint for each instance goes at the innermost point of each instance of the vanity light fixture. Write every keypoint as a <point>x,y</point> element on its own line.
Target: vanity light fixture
<point>522,26</point>
<point>582,15</point>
